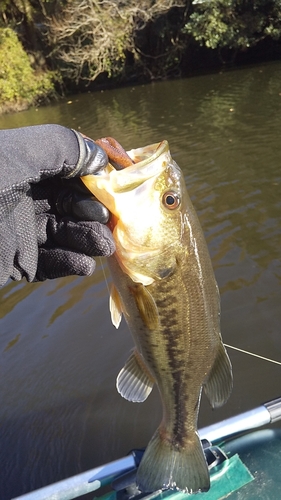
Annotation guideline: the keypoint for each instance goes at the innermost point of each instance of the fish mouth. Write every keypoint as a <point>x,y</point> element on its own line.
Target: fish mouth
<point>147,154</point>
<point>149,161</point>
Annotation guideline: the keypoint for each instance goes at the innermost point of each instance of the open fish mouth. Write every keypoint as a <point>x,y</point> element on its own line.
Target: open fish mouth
<point>149,153</point>
<point>128,172</point>
<point>147,162</point>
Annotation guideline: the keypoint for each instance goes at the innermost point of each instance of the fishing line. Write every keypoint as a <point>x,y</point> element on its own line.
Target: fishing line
<point>253,354</point>
<point>226,345</point>
<point>104,275</point>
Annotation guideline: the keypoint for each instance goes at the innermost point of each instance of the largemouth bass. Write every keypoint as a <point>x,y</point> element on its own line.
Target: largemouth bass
<point>165,287</point>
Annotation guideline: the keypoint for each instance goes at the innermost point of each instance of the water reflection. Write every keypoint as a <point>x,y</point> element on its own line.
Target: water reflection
<point>60,355</point>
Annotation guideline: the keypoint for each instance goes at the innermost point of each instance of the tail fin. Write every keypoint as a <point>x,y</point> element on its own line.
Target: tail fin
<point>165,466</point>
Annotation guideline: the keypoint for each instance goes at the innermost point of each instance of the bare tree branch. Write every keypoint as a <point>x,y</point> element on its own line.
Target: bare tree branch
<point>92,37</point>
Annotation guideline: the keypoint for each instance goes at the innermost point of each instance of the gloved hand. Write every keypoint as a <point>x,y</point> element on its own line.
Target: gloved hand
<point>48,229</point>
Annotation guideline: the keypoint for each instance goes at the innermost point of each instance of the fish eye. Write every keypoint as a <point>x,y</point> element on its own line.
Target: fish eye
<point>171,200</point>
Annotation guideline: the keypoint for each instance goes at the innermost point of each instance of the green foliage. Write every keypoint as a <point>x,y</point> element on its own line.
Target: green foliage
<point>118,39</point>
<point>16,11</point>
<point>20,85</point>
<point>235,24</point>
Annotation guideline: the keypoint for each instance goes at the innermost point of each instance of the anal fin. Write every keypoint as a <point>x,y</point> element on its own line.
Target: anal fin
<point>220,381</point>
<point>134,381</point>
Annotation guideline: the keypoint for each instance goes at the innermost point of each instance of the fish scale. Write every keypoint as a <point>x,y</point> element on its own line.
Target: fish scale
<point>178,357</point>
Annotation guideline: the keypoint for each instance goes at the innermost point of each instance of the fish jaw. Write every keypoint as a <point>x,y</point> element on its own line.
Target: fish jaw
<point>109,183</point>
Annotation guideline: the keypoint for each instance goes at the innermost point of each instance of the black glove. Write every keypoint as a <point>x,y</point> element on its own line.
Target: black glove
<point>39,240</point>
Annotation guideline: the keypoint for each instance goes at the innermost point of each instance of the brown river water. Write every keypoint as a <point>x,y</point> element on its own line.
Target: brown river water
<point>60,413</point>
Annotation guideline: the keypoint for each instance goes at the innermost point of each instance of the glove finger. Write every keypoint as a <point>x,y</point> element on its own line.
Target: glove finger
<point>59,262</point>
<point>82,207</point>
<point>92,158</point>
<point>97,158</point>
<point>91,209</point>
<point>42,194</point>
<point>88,237</point>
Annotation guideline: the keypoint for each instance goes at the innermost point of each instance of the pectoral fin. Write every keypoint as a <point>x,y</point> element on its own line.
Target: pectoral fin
<point>134,381</point>
<point>146,306</point>
<point>115,307</point>
<point>219,384</point>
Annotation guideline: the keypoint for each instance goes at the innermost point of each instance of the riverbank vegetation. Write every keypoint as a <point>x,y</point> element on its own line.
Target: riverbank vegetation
<point>20,84</point>
<point>50,46</point>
